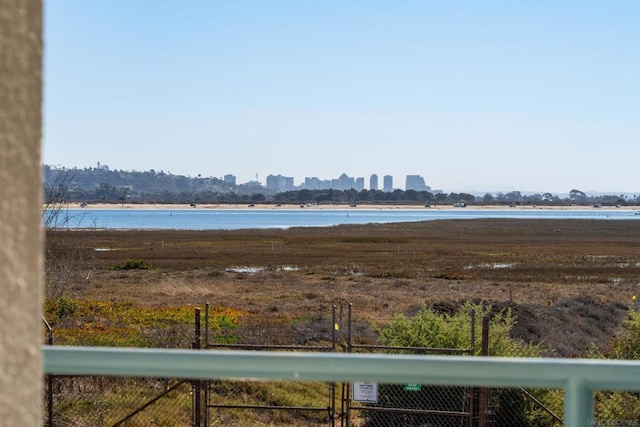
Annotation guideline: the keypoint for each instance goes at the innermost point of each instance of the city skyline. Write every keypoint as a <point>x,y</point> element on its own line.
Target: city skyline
<point>345,182</point>
<point>476,97</point>
<point>279,183</point>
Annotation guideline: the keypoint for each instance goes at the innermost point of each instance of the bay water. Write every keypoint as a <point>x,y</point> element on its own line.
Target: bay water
<point>282,218</point>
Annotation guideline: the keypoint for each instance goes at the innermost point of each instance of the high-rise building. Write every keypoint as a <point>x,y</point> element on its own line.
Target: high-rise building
<point>416,182</point>
<point>345,182</point>
<point>387,183</point>
<point>314,183</point>
<point>373,182</point>
<point>279,183</point>
<point>230,179</point>
<point>342,183</point>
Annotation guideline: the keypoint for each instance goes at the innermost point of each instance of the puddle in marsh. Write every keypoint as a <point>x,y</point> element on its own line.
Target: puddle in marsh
<point>253,270</point>
<point>492,266</point>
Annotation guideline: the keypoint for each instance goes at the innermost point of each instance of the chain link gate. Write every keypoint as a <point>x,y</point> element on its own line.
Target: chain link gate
<point>381,405</point>
<point>266,401</point>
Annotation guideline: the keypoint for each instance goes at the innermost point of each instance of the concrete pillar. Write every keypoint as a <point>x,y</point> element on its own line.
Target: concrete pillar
<point>21,237</point>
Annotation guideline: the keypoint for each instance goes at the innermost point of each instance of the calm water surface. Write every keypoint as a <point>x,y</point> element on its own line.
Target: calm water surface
<point>232,219</point>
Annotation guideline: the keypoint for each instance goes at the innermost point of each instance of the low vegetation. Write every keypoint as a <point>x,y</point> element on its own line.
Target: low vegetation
<point>554,287</point>
<point>125,324</point>
<point>132,264</point>
<point>435,329</point>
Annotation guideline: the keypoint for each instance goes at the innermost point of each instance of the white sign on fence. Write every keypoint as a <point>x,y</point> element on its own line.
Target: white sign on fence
<point>365,392</point>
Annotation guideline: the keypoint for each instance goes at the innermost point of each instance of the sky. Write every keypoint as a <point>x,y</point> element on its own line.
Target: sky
<point>474,96</point>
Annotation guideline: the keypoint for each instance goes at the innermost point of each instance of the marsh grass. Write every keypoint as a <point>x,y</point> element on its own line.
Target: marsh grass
<point>103,401</point>
<point>568,283</point>
<point>269,393</point>
<point>125,324</point>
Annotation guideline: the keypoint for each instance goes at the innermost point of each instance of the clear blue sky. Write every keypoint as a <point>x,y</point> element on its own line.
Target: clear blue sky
<point>472,95</point>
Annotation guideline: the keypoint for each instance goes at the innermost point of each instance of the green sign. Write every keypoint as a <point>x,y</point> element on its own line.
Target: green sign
<point>412,387</point>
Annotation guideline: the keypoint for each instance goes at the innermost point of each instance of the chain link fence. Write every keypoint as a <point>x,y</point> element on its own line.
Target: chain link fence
<point>381,405</point>
<point>412,405</point>
<point>114,401</point>
<point>251,403</point>
<point>104,401</point>
<point>616,408</point>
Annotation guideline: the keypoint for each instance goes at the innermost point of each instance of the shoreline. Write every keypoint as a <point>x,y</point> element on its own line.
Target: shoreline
<point>167,206</point>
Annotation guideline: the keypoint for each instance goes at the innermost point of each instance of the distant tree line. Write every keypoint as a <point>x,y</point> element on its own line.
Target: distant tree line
<point>101,184</point>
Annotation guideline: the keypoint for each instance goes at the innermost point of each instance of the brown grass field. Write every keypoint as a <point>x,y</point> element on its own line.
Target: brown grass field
<point>568,282</point>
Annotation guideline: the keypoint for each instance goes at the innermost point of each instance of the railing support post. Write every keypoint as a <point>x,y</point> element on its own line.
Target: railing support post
<point>578,404</point>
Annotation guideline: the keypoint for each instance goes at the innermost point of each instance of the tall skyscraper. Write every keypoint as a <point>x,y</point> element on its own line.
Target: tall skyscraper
<point>280,183</point>
<point>416,182</point>
<point>387,184</point>
<point>373,182</point>
<point>345,182</point>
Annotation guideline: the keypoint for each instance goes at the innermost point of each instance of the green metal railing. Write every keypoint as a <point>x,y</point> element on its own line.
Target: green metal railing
<point>578,377</point>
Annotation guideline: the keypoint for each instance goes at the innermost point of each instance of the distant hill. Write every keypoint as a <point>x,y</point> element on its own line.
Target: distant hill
<point>101,184</point>
<point>104,184</point>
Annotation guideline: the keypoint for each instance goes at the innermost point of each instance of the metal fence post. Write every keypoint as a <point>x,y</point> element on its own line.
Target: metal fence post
<point>205,398</point>
<point>472,389</point>
<point>49,377</point>
<point>483,404</point>
<point>347,389</point>
<point>334,331</point>
<point>197,384</point>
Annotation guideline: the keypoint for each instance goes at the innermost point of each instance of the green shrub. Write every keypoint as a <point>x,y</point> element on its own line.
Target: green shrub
<point>440,330</point>
<point>132,264</point>
<point>616,406</point>
<point>628,345</point>
<point>64,307</point>
<point>429,328</point>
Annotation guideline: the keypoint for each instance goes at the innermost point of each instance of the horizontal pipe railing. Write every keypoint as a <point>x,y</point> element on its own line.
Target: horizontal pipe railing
<point>578,377</point>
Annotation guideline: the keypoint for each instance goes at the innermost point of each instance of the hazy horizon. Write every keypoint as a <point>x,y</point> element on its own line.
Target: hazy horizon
<point>380,182</point>
<point>474,97</point>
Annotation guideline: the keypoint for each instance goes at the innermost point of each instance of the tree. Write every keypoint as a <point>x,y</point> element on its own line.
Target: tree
<point>364,196</point>
<point>488,198</point>
<point>441,198</point>
<point>305,196</point>
<point>461,197</point>
<point>577,195</point>
<point>380,196</point>
<point>258,197</point>
<point>66,265</point>
<point>513,197</point>
<point>534,198</point>
<point>411,195</point>
<point>54,212</point>
<point>428,196</point>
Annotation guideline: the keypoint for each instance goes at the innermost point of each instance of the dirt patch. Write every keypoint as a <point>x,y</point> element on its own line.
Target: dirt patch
<point>570,327</point>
